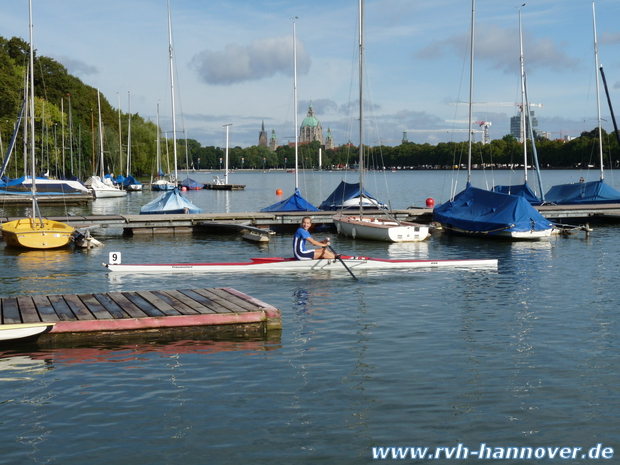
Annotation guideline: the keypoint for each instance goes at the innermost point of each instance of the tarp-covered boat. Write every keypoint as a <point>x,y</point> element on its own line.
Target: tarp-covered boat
<point>582,193</point>
<point>478,212</point>
<point>189,183</point>
<point>171,202</point>
<point>294,203</point>
<point>520,190</point>
<point>347,196</point>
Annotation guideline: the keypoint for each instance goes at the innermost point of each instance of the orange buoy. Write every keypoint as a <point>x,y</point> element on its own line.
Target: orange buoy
<point>183,189</point>
<point>430,203</point>
<point>278,191</point>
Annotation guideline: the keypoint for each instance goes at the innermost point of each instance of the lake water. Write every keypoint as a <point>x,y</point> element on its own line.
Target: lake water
<point>524,356</point>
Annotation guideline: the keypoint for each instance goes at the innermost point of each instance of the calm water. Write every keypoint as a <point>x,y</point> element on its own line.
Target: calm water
<point>524,356</point>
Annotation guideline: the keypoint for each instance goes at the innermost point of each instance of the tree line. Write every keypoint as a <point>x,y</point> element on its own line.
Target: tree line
<point>68,142</point>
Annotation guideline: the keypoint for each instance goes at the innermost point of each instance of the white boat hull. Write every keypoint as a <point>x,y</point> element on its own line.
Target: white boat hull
<point>377,229</point>
<point>275,264</point>
<point>506,234</point>
<point>21,331</point>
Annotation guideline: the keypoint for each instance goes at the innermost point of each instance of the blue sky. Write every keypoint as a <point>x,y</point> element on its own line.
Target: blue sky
<point>234,62</point>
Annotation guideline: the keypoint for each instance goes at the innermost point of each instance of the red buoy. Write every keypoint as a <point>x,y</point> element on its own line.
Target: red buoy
<point>183,189</point>
<point>430,203</point>
<point>278,191</point>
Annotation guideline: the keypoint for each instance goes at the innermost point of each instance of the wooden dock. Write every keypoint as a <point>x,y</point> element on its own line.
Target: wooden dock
<point>117,316</point>
<point>205,222</point>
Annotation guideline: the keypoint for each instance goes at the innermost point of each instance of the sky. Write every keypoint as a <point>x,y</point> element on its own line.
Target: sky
<point>233,63</point>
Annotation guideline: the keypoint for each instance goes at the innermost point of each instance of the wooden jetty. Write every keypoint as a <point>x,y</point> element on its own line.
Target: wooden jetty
<point>114,316</point>
<point>25,199</point>
<point>201,222</point>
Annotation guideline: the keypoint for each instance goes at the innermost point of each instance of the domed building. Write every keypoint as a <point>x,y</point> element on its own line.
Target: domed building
<point>310,129</point>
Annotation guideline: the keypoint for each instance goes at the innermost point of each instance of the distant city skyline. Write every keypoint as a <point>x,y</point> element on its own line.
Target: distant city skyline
<point>234,62</point>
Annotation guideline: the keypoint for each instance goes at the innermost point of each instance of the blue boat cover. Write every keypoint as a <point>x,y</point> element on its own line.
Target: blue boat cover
<point>345,191</point>
<point>582,193</point>
<point>191,184</point>
<point>131,181</point>
<point>478,211</point>
<point>172,202</point>
<point>520,190</point>
<point>295,203</point>
<point>120,179</point>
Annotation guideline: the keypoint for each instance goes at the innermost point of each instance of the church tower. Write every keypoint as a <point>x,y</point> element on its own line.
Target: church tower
<point>311,129</point>
<point>329,140</point>
<point>262,136</point>
<point>273,141</point>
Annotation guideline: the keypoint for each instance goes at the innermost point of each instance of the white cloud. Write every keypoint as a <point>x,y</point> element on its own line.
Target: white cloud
<point>499,48</point>
<point>261,59</point>
<point>75,67</point>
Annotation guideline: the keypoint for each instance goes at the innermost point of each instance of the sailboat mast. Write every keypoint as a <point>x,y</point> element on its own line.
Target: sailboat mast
<point>120,137</point>
<point>295,105</point>
<point>101,168</point>
<point>471,89</point>
<point>128,133</point>
<point>32,171</point>
<point>158,144</point>
<point>174,136</point>
<point>361,67</point>
<point>523,103</point>
<point>598,96</point>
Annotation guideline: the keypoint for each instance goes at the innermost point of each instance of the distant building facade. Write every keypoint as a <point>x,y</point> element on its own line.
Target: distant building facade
<point>262,136</point>
<point>516,130</point>
<point>273,141</point>
<point>311,129</point>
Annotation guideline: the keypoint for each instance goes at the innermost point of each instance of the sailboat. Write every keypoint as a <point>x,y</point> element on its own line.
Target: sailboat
<point>294,203</point>
<point>524,190</point>
<point>160,184</point>
<point>592,192</point>
<point>130,183</point>
<point>171,202</point>
<point>35,232</point>
<point>481,213</point>
<point>102,186</point>
<point>366,227</point>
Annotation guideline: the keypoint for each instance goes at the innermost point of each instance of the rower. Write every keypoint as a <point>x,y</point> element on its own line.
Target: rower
<point>299,244</point>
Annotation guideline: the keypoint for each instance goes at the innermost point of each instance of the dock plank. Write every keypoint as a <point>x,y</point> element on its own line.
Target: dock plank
<point>27,310</point>
<point>78,308</point>
<point>219,300</point>
<point>143,304</point>
<point>223,293</point>
<point>204,301</point>
<point>160,304</point>
<point>95,307</point>
<point>127,305</point>
<point>61,308</point>
<point>45,309</point>
<point>10,311</point>
<point>112,307</point>
<point>175,303</point>
<point>192,303</point>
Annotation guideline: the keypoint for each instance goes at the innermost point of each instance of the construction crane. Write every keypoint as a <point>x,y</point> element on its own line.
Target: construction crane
<point>483,124</point>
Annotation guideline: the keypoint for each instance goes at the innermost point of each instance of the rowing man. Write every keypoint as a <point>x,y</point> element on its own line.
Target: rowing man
<point>299,244</point>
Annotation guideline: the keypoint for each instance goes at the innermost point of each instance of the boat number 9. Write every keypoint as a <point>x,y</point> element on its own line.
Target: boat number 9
<point>115,258</point>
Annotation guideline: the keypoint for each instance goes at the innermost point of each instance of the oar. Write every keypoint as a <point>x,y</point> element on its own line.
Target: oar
<point>343,263</point>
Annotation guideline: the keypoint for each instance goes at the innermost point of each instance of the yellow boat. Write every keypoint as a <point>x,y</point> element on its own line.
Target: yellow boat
<point>38,233</point>
<point>35,232</point>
